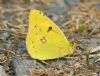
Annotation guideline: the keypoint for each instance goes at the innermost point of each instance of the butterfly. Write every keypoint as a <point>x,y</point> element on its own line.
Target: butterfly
<point>44,39</point>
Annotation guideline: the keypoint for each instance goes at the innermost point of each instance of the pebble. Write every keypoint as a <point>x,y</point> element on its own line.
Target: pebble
<point>22,67</point>
<point>72,2</point>
<point>2,71</point>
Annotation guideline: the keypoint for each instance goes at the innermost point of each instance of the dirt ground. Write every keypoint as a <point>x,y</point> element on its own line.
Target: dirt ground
<point>78,19</point>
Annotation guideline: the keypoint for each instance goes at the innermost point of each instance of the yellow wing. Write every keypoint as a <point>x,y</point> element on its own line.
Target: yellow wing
<point>44,39</point>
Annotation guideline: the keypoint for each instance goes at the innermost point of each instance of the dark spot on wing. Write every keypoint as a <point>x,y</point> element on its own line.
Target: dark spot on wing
<point>49,29</point>
<point>32,44</point>
<point>35,26</point>
<point>42,13</point>
<point>32,41</point>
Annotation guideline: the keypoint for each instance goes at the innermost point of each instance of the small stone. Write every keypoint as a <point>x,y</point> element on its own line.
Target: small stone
<point>72,2</point>
<point>22,66</point>
<point>2,71</point>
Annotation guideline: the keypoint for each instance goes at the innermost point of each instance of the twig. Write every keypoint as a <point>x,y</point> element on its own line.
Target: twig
<point>95,49</point>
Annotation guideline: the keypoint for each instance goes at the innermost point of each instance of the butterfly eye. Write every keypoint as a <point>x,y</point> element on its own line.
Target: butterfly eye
<point>49,29</point>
